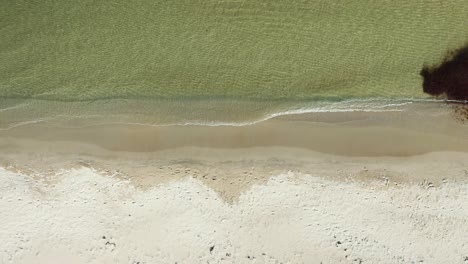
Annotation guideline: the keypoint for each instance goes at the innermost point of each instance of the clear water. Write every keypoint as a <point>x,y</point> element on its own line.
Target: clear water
<point>216,61</point>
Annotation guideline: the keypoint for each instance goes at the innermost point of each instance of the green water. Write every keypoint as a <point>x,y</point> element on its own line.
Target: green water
<point>273,50</point>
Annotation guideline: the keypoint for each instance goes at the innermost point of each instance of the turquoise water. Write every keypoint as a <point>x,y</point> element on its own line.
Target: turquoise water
<point>176,61</point>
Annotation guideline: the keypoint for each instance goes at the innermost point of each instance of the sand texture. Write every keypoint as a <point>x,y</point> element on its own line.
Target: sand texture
<point>289,190</point>
<point>86,217</point>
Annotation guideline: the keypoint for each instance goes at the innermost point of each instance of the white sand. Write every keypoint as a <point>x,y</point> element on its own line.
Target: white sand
<point>260,194</point>
<point>293,218</point>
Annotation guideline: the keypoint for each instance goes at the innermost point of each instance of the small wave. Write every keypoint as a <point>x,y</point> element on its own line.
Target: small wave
<point>374,105</point>
<point>11,108</point>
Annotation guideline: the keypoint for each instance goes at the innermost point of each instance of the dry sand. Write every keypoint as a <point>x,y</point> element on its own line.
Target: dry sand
<point>340,188</point>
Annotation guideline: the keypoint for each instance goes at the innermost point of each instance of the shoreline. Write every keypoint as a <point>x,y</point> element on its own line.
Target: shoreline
<point>360,146</point>
<point>421,129</point>
<point>195,112</point>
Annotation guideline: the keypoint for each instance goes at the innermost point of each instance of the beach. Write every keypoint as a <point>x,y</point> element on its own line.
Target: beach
<point>221,131</point>
<point>315,188</point>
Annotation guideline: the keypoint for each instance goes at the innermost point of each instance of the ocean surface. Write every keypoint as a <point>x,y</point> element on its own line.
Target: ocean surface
<point>216,62</point>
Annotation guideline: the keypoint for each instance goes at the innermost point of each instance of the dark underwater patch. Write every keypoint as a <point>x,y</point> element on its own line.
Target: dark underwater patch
<point>450,79</point>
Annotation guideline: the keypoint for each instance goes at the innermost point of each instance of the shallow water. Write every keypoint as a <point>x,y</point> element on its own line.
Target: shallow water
<point>271,56</point>
<point>185,111</point>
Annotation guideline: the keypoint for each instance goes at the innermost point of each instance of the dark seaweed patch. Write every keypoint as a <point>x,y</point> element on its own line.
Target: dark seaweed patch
<point>450,78</point>
<point>461,112</point>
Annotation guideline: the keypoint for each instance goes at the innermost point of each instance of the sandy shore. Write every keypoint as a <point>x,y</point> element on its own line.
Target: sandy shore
<point>328,188</point>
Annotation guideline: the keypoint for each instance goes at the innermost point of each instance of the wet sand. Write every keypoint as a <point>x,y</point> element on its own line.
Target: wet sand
<point>417,130</point>
<point>331,188</point>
